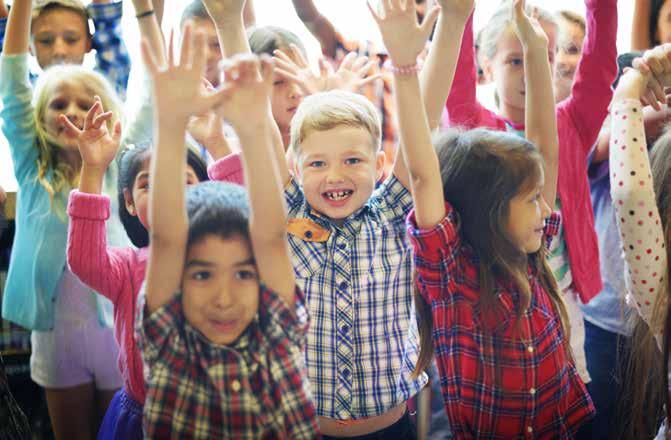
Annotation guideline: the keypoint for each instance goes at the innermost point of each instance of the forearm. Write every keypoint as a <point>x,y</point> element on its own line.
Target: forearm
<point>232,36</point>
<point>318,25</point>
<point>540,116</point>
<point>17,35</point>
<point>249,15</point>
<point>640,29</point>
<point>150,28</point>
<point>438,72</point>
<point>91,180</point>
<point>418,153</point>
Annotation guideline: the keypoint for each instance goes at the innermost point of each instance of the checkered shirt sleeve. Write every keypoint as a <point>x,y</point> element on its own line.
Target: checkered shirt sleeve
<point>112,58</point>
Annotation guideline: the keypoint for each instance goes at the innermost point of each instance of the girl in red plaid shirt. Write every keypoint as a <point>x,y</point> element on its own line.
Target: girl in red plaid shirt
<point>480,232</point>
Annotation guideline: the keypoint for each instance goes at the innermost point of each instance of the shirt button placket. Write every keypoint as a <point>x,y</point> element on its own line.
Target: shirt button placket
<point>343,327</point>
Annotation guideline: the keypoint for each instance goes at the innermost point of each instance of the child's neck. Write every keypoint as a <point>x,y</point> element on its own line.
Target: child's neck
<point>513,114</point>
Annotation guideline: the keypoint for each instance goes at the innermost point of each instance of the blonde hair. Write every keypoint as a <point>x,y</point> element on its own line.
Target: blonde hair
<point>328,110</point>
<point>500,23</point>
<point>55,174</point>
<point>574,18</point>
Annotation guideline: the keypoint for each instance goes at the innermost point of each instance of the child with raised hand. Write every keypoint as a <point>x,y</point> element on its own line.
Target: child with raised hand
<point>116,273</point>
<point>60,35</point>
<point>73,348</point>
<point>479,234</point>
<point>221,324</point>
<point>640,193</point>
<point>574,256</point>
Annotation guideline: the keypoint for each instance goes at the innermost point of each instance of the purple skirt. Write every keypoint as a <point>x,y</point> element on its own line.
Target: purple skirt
<point>123,419</point>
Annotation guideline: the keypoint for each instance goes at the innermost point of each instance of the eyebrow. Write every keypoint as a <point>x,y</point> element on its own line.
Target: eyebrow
<point>142,175</point>
<point>204,263</point>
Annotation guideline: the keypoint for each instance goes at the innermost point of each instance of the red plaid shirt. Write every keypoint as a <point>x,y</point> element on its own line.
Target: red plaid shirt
<point>255,388</point>
<point>539,393</point>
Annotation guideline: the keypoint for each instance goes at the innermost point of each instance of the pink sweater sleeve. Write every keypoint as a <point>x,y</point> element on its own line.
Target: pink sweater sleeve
<point>587,107</point>
<point>463,108</point>
<point>227,169</point>
<point>102,268</point>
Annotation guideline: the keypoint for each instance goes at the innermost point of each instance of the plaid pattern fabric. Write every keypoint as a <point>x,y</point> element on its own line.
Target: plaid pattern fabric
<point>499,379</point>
<point>255,388</point>
<point>112,59</point>
<point>362,343</point>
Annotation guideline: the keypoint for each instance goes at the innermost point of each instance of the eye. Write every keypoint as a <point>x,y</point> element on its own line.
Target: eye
<point>536,197</point>
<point>278,83</point>
<point>45,41</point>
<point>58,104</point>
<point>244,275</point>
<point>85,105</point>
<point>352,160</point>
<point>317,164</point>
<point>516,61</point>
<point>201,275</point>
<point>72,40</point>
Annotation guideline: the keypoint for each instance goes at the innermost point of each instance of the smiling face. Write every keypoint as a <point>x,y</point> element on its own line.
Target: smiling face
<point>526,219</point>
<point>220,287</point>
<point>60,36</point>
<point>72,99</point>
<point>337,169</point>
<point>569,50</point>
<point>506,69</point>
<point>286,98</point>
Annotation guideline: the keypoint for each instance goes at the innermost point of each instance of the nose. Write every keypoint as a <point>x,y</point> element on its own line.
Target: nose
<point>335,175</point>
<point>60,47</point>
<point>224,297</point>
<point>546,210</point>
<point>295,91</point>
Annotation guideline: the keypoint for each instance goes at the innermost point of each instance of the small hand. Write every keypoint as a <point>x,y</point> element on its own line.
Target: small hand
<point>178,88</point>
<point>208,130</point>
<point>248,87</point>
<point>460,9</point>
<point>403,36</point>
<point>655,64</point>
<point>96,144</point>
<point>527,29</point>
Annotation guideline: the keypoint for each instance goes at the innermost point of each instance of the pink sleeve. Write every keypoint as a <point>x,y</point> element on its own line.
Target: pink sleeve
<point>636,207</point>
<point>102,268</point>
<point>227,169</point>
<point>463,108</point>
<point>591,93</point>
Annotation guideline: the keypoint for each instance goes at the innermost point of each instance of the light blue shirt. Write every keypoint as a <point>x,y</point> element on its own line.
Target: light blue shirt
<point>607,310</point>
<point>39,249</point>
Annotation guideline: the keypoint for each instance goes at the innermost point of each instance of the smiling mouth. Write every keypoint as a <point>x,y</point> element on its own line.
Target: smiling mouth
<point>338,196</point>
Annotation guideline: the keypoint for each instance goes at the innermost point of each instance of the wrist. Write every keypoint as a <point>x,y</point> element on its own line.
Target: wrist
<point>631,86</point>
<point>228,22</point>
<point>91,179</point>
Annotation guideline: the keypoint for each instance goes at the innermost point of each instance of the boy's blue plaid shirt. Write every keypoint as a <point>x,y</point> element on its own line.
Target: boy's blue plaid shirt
<point>362,343</point>
<point>112,59</point>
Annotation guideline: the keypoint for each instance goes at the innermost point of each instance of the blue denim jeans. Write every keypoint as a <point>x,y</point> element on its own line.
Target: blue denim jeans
<point>606,355</point>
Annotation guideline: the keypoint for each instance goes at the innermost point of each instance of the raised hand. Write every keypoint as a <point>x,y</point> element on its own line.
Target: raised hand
<point>178,87</point>
<point>222,10</point>
<point>248,87</point>
<point>527,29</point>
<point>655,66</point>
<point>403,37</point>
<point>352,74</point>
<point>97,145</point>
<point>460,9</point>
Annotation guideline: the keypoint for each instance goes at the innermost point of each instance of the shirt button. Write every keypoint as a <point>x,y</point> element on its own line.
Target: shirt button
<point>235,386</point>
<point>343,285</point>
<point>532,391</point>
<point>308,234</point>
<point>530,429</point>
<point>345,328</point>
<point>342,246</point>
<point>530,349</point>
<point>345,372</point>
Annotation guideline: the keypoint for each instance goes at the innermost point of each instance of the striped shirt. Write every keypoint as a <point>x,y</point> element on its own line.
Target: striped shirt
<point>362,343</point>
<point>500,378</point>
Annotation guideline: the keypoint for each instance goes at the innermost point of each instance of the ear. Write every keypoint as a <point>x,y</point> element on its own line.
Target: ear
<point>89,43</point>
<point>380,160</point>
<point>130,205</point>
<point>293,164</point>
<point>487,69</point>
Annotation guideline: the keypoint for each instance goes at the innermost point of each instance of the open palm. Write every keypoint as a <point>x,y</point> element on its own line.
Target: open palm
<point>97,145</point>
<point>527,29</point>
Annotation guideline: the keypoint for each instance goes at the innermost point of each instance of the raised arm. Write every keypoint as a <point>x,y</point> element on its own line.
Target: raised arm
<point>248,104</point>
<point>318,25</point>
<point>404,40</point>
<point>149,21</point>
<point>540,118</point>
<point>178,95</point>
<point>436,77</point>
<point>640,26</point>
<point>17,34</point>
<point>592,92</point>
<point>633,193</point>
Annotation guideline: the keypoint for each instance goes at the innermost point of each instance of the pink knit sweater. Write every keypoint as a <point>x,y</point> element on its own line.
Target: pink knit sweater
<point>114,272</point>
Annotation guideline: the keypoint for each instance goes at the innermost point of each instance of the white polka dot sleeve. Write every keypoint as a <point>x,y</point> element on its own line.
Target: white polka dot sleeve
<point>634,201</point>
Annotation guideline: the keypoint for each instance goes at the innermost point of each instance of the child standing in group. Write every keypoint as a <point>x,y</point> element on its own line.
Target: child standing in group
<point>60,35</point>
<point>640,193</point>
<point>491,304</point>
<point>574,256</point>
<point>221,325</point>
<point>73,348</point>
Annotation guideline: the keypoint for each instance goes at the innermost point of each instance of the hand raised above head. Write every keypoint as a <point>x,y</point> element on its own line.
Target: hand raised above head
<point>460,9</point>
<point>403,37</point>
<point>178,88</point>
<point>97,145</point>
<point>222,10</point>
<point>526,27</point>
